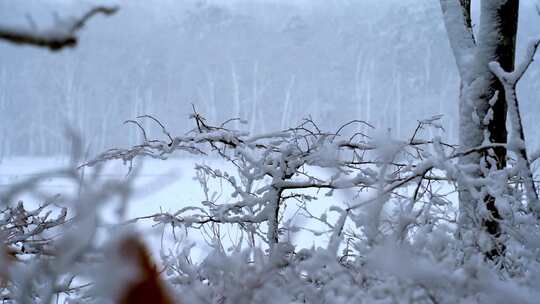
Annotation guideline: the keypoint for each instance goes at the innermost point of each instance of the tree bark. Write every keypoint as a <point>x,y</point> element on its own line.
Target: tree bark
<point>500,19</point>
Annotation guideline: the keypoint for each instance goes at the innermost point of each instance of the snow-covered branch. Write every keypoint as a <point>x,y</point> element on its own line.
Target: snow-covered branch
<point>517,142</point>
<point>62,34</point>
<point>512,77</point>
<point>275,168</point>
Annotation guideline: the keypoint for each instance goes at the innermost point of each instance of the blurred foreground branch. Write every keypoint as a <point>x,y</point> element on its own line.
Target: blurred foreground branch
<point>61,35</point>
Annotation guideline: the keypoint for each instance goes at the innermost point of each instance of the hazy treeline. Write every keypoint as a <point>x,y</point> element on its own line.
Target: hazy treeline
<point>270,63</point>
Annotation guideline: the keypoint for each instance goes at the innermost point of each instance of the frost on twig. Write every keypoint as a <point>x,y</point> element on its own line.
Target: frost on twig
<point>24,228</point>
<point>61,35</point>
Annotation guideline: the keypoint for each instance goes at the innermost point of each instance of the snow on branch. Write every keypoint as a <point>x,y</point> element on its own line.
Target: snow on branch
<point>509,81</point>
<point>512,77</point>
<point>279,164</point>
<point>61,35</point>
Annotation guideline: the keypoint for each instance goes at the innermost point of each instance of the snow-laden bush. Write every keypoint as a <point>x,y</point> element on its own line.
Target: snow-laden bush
<point>395,238</point>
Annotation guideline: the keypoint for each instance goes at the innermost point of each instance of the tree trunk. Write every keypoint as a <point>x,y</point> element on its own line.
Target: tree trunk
<point>483,106</point>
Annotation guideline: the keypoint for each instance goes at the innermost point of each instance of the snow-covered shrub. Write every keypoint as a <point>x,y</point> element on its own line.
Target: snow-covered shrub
<point>395,239</point>
<point>389,233</point>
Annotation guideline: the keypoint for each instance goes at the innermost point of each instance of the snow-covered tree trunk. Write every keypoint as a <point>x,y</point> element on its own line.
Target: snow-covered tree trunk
<point>482,107</point>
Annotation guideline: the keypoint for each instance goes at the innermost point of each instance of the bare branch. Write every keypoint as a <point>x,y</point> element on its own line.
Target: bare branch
<point>163,129</point>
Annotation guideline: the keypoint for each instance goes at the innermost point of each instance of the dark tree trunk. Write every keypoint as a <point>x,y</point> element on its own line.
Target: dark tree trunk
<point>505,50</point>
